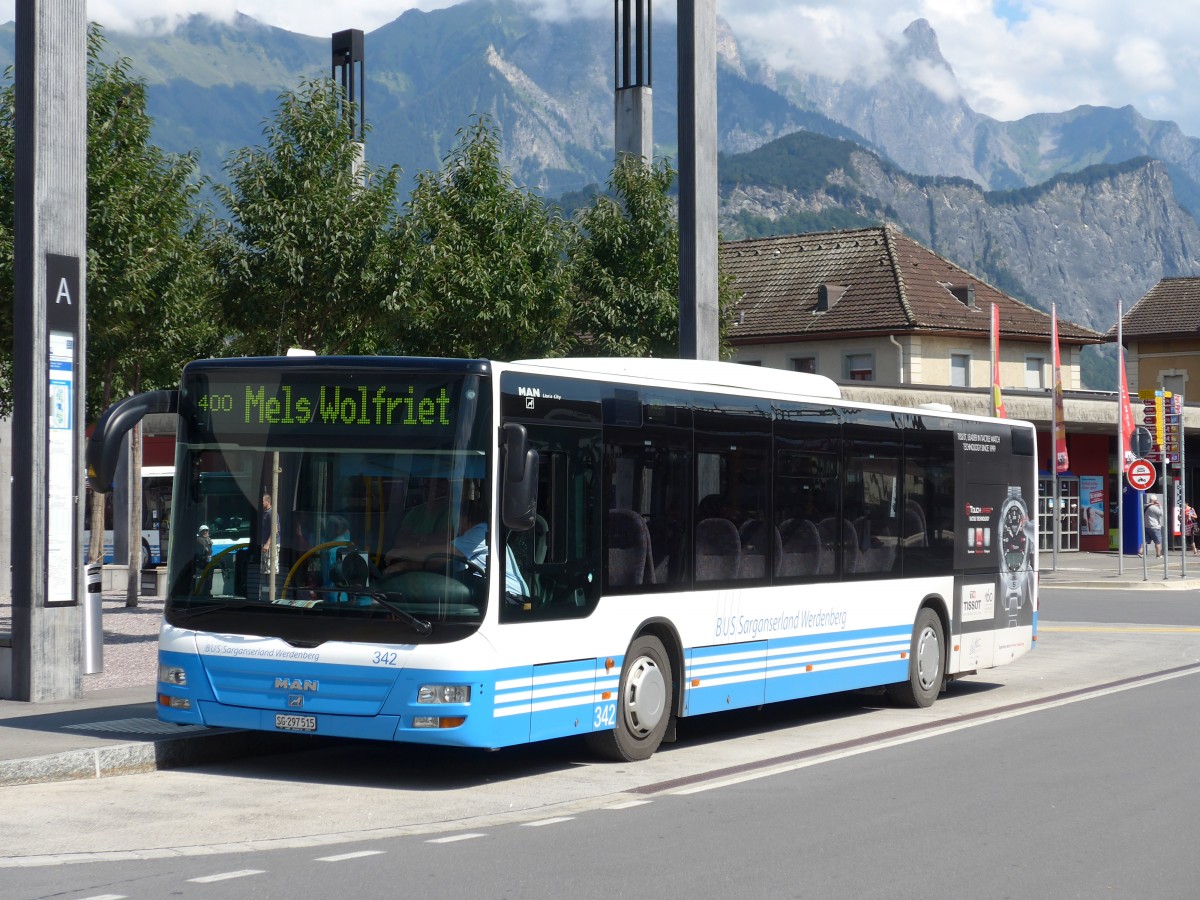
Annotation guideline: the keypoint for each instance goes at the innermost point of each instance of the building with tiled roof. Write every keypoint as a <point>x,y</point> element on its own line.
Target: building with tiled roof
<point>1161,334</point>
<point>872,304</point>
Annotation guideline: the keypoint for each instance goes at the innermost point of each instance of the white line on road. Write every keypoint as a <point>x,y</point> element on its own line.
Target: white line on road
<point>628,804</point>
<point>457,837</point>
<point>541,822</point>
<point>225,876</point>
<point>342,857</point>
<point>108,897</point>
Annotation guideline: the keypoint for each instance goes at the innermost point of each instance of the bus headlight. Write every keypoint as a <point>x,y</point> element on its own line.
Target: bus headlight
<point>444,693</point>
<point>172,675</point>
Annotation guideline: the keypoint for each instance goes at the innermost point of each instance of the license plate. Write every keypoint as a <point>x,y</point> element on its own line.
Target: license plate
<point>295,723</point>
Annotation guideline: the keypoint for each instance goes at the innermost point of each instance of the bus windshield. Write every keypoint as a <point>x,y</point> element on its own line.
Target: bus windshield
<point>351,510</point>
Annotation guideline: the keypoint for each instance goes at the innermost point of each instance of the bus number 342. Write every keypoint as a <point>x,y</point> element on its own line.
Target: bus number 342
<point>606,716</point>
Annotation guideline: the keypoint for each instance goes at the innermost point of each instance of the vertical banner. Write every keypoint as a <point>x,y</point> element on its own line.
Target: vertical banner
<point>1061,462</point>
<point>1126,424</point>
<point>997,400</point>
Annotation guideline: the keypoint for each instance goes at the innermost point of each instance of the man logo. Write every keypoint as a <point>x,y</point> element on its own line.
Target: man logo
<point>295,701</point>
<point>296,684</point>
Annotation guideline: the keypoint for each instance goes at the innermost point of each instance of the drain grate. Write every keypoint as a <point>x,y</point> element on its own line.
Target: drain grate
<point>136,726</point>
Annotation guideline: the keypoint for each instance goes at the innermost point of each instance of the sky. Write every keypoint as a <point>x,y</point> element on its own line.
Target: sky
<point>1010,57</point>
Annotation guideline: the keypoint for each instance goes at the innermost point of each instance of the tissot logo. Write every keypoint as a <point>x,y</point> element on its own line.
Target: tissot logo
<point>297,684</point>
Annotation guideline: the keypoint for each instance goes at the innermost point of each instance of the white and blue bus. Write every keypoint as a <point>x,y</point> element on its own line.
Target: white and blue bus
<point>156,515</point>
<point>485,554</point>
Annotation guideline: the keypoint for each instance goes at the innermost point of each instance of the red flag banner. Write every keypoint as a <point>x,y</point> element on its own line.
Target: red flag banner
<point>997,400</point>
<point>1127,422</point>
<point>1061,462</point>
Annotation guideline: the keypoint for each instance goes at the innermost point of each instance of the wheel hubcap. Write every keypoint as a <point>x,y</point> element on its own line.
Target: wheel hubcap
<point>645,697</point>
<point>929,659</point>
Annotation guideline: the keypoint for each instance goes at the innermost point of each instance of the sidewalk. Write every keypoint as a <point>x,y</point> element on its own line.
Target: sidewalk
<point>1099,571</point>
<point>112,729</point>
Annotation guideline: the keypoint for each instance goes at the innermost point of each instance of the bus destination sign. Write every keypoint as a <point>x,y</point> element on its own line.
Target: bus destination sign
<point>318,404</point>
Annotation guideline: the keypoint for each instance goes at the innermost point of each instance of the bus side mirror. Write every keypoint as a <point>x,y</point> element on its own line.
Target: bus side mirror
<point>104,446</point>
<point>518,499</point>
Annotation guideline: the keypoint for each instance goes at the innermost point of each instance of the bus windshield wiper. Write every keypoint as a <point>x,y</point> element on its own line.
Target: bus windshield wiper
<point>420,626</point>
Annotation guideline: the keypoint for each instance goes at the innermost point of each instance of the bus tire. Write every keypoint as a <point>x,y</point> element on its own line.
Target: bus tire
<point>926,660</point>
<point>643,704</point>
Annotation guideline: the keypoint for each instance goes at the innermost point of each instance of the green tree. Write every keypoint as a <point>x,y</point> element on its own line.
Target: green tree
<point>149,286</point>
<point>626,262</point>
<point>303,259</point>
<point>484,272</point>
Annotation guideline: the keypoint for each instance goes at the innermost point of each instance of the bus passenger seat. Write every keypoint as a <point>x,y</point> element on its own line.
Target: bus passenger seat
<point>802,550</point>
<point>718,550</point>
<point>628,549</point>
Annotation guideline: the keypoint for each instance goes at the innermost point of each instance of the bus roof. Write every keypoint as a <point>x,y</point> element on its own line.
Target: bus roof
<point>697,372</point>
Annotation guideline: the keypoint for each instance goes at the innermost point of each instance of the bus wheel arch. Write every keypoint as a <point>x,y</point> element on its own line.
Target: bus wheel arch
<point>927,658</point>
<point>647,698</point>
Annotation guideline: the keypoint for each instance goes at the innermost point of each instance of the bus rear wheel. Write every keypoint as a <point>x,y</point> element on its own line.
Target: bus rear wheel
<point>643,704</point>
<point>925,661</point>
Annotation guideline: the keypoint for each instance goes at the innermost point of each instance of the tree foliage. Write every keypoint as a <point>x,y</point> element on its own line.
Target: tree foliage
<point>626,263</point>
<point>484,270</point>
<point>149,285</point>
<point>302,260</point>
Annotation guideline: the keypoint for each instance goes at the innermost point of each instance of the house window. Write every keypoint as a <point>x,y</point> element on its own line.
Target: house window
<point>1035,369</point>
<point>804,364</point>
<point>860,366</point>
<point>960,369</point>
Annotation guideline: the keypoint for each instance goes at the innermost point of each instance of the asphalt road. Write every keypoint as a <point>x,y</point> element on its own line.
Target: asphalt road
<point>1064,774</point>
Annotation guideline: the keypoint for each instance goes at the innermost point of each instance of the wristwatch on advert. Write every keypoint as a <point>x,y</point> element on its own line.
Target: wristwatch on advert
<point>1014,544</point>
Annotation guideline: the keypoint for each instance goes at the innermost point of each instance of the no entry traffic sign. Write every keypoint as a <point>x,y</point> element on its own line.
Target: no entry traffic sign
<point>1140,474</point>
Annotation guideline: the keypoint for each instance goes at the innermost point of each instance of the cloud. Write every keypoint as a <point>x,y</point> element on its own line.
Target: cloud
<point>1011,57</point>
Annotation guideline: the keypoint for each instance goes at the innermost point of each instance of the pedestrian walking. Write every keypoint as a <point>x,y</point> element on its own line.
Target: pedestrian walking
<point>1191,524</point>
<point>1154,524</point>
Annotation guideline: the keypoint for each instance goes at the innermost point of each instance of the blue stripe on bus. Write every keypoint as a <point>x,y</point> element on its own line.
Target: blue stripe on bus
<point>527,703</point>
<point>730,676</point>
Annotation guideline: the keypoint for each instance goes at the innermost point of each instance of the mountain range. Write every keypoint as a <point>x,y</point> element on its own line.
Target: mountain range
<point>1081,208</point>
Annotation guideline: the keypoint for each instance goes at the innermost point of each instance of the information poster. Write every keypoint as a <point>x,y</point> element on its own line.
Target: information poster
<point>60,465</point>
<point>1091,505</point>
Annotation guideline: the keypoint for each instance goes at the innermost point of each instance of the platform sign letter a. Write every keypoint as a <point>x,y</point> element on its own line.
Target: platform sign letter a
<point>62,293</point>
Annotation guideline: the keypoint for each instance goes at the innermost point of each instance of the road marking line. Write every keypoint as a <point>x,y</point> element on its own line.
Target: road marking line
<point>542,822</point>
<point>342,857</point>
<point>108,897</point>
<point>629,804</point>
<point>457,837</point>
<point>225,876</point>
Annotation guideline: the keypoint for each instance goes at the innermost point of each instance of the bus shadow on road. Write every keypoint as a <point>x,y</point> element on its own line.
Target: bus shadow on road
<point>378,764</point>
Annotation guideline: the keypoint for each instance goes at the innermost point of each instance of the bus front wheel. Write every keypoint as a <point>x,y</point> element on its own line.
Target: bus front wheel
<point>643,704</point>
<point>925,674</point>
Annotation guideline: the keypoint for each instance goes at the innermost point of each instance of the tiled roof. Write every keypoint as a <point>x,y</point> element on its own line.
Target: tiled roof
<point>892,285</point>
<point>1170,309</point>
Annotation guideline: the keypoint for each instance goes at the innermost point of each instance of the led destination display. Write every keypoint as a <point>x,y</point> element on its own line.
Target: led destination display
<point>330,405</point>
<point>314,403</point>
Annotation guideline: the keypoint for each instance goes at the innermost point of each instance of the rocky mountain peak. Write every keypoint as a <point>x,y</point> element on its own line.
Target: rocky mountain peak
<point>923,43</point>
